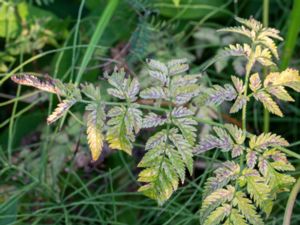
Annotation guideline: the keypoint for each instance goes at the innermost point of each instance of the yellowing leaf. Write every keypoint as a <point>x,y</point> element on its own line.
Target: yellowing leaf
<point>60,110</point>
<point>268,102</point>
<point>94,130</point>
<point>218,215</point>
<point>265,140</point>
<point>255,82</point>
<point>215,199</point>
<point>39,81</point>
<point>247,208</point>
<point>165,162</point>
<point>238,104</point>
<point>288,78</point>
<point>263,56</point>
<point>122,127</point>
<point>238,84</point>
<point>280,93</point>
<point>258,190</point>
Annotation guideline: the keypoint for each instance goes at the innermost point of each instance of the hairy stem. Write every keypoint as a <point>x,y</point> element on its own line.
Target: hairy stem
<point>290,204</point>
<point>198,119</point>
<point>244,111</point>
<point>266,4</point>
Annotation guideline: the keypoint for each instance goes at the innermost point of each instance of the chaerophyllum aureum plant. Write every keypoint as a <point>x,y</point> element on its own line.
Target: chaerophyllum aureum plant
<point>241,190</point>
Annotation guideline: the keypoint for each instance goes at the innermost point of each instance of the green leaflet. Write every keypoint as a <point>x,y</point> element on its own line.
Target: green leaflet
<point>169,151</point>
<point>173,86</point>
<point>218,215</point>
<point>94,129</point>
<point>123,125</point>
<point>165,161</point>
<point>217,198</point>
<point>125,121</point>
<point>258,189</point>
<point>246,208</point>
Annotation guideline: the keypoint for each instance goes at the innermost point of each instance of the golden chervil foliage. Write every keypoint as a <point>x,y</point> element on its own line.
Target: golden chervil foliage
<point>169,151</point>
<point>261,49</point>
<point>241,193</point>
<point>237,193</point>
<point>125,121</point>
<point>274,85</point>
<point>95,120</point>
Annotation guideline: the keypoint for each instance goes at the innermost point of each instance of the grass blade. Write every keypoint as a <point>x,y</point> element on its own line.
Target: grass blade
<point>292,34</point>
<point>102,24</point>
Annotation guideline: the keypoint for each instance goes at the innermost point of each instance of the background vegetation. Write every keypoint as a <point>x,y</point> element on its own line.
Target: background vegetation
<point>47,176</point>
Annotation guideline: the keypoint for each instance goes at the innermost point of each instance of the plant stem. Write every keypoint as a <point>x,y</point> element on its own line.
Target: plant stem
<point>244,111</point>
<point>149,107</point>
<point>266,4</point>
<point>198,119</point>
<point>290,203</point>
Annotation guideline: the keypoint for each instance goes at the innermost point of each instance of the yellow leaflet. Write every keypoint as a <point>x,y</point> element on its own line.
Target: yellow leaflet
<point>95,140</point>
<point>94,132</point>
<point>118,142</point>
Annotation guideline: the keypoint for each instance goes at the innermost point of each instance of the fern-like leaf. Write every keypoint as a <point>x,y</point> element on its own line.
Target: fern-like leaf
<point>153,93</point>
<point>237,133</point>
<point>177,66</point>
<point>280,93</point>
<point>258,34</point>
<point>237,50</point>
<point>247,209</point>
<point>185,150</point>
<point>173,87</point>
<point>268,102</point>
<point>236,218</point>
<point>91,92</point>
<point>240,101</point>
<point>153,120</point>
<point>155,65</point>
<point>263,56</point>
<point>168,154</point>
<point>223,175</point>
<point>216,199</point>
<point>218,94</point>
<point>187,127</point>
<point>266,140</point>
<point>95,124</point>
<point>60,110</point>
<point>238,84</point>
<point>217,216</point>
<point>255,82</point>
<point>271,163</point>
<point>39,81</point>
<point>124,124</point>
<point>258,189</point>
<point>251,159</point>
<point>287,78</point>
<point>223,141</point>
<point>124,88</point>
